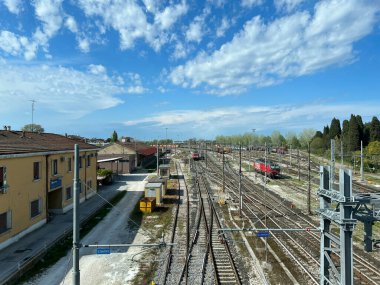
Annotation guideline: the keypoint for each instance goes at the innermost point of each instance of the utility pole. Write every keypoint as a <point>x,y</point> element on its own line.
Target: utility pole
<point>332,172</point>
<point>158,158</point>
<point>223,171</point>
<point>33,101</point>
<point>265,188</point>
<point>76,273</point>
<point>361,162</point>
<point>206,155</point>
<point>299,166</point>
<point>308,185</point>
<point>240,196</point>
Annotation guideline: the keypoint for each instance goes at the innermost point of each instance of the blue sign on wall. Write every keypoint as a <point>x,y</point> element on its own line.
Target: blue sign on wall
<point>262,234</point>
<point>103,251</point>
<point>56,183</point>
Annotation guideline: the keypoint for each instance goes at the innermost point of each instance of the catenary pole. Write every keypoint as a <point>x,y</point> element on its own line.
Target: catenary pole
<point>361,162</point>
<point>240,196</point>
<point>158,158</point>
<point>76,273</point>
<point>308,185</point>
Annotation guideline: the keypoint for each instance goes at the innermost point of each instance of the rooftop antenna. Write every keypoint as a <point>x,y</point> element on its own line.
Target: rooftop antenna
<point>33,101</point>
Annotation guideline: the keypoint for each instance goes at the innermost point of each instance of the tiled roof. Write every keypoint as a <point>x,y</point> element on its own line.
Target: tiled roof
<point>141,148</point>
<point>17,142</point>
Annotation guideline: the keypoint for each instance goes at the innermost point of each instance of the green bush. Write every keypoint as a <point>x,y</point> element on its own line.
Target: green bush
<point>104,172</point>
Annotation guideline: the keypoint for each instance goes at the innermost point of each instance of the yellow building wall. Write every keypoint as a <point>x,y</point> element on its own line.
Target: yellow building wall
<point>22,190</point>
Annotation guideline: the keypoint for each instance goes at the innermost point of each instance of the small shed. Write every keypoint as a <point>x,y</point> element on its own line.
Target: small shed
<point>154,190</point>
<point>162,180</point>
<point>164,170</point>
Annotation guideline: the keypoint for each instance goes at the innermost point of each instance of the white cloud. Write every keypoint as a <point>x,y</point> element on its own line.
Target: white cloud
<point>84,45</point>
<point>287,5</point>
<point>71,24</point>
<point>170,15</point>
<point>180,51</point>
<point>264,118</point>
<point>263,54</point>
<point>49,12</point>
<point>250,3</point>
<point>57,89</point>
<point>135,84</point>
<point>195,30</point>
<point>223,27</point>
<point>13,6</point>
<point>130,20</point>
<point>97,69</point>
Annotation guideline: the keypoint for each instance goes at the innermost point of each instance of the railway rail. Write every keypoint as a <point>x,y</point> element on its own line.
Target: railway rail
<point>282,216</point>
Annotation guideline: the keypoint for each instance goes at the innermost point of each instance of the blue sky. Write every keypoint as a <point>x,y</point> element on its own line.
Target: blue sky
<point>197,68</point>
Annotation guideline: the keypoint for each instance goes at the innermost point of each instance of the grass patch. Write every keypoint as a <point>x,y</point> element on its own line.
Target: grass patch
<point>62,247</point>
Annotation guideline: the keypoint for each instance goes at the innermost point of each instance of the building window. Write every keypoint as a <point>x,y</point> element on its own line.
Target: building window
<point>5,221</point>
<point>88,160</point>
<point>80,161</point>
<point>35,208</point>
<point>55,166</point>
<point>36,170</point>
<point>69,164</point>
<point>69,193</point>
<point>3,172</point>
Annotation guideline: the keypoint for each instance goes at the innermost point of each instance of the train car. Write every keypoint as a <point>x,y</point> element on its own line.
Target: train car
<point>272,169</point>
<point>195,155</point>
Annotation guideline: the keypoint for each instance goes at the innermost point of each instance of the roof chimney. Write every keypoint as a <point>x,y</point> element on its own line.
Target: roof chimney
<point>5,128</point>
<point>9,128</point>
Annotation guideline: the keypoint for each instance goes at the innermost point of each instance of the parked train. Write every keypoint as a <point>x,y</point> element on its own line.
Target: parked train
<point>223,149</point>
<point>195,155</point>
<point>272,169</point>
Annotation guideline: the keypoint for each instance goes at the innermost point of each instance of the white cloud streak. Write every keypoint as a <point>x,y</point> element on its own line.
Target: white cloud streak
<point>236,119</point>
<point>14,6</point>
<point>57,89</point>
<point>287,5</point>
<point>263,54</point>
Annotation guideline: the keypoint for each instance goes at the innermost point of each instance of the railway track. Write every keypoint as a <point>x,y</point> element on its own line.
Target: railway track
<point>302,245</point>
<point>177,256</point>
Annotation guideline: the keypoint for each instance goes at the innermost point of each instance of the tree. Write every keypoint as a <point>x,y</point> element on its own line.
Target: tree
<point>277,138</point>
<point>353,134</point>
<point>345,136</point>
<point>305,137</point>
<point>33,128</point>
<point>114,137</point>
<point>317,145</point>
<point>318,134</point>
<point>374,130</point>
<point>361,126</point>
<point>335,130</point>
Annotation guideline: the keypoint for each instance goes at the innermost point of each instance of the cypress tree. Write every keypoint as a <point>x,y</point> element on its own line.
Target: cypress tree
<point>345,130</point>
<point>335,130</point>
<point>374,130</point>
<point>361,126</point>
<point>366,134</point>
<point>353,134</point>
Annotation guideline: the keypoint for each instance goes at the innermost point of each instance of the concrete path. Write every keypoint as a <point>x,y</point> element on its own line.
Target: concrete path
<point>17,255</point>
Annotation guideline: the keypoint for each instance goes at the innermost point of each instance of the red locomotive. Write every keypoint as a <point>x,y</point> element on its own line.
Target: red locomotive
<point>272,169</point>
<point>195,155</point>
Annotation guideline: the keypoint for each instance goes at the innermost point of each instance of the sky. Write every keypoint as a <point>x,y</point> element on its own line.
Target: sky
<point>187,69</point>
